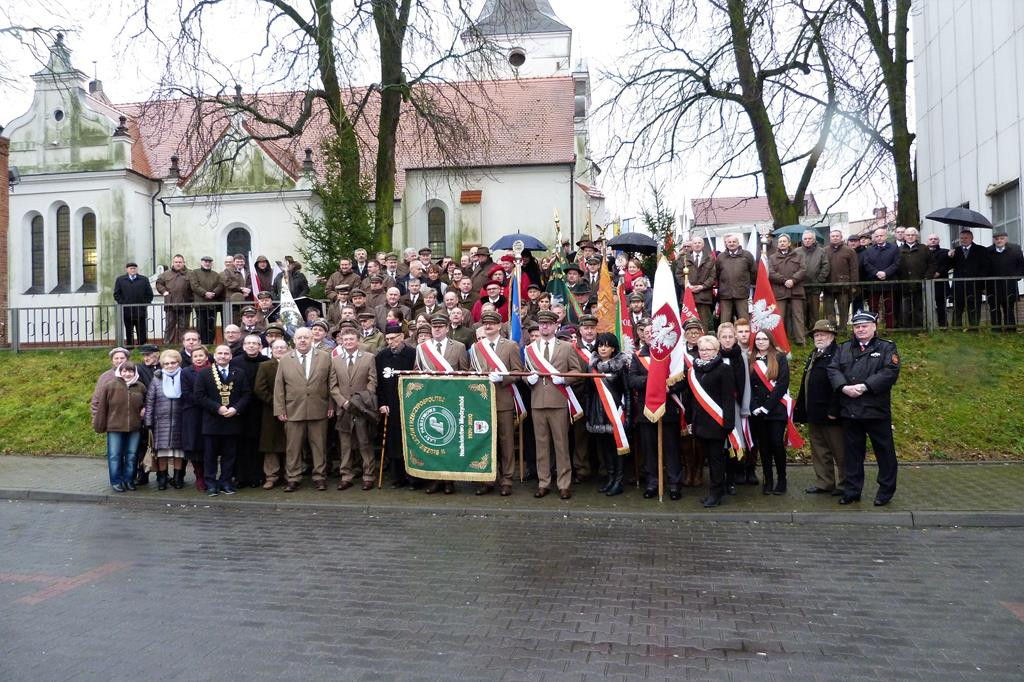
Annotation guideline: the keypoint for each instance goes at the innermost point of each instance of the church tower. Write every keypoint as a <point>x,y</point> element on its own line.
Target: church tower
<point>526,36</point>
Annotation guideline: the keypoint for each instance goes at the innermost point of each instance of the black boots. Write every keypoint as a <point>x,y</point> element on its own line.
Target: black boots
<point>618,466</point>
<point>178,482</point>
<point>609,466</point>
<point>161,480</point>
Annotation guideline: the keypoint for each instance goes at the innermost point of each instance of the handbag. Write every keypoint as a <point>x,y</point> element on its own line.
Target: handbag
<point>149,460</point>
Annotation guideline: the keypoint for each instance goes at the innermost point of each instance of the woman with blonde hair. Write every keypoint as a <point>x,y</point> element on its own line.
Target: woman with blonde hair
<point>164,417</point>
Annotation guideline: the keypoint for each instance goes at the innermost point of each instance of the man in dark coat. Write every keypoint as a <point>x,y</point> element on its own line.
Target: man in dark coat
<point>864,370</point>
<point>880,264</point>
<point>817,405</point>
<point>133,291</point>
<point>968,261</point>
<point>248,462</point>
<point>915,267</point>
<point>223,393</point>
<point>939,267</point>
<point>397,355</point>
<point>1005,260</point>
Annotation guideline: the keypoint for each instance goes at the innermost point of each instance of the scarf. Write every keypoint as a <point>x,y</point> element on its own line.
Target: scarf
<point>171,383</point>
<point>129,382</point>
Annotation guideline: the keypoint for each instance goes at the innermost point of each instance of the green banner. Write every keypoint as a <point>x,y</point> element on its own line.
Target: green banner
<point>448,428</point>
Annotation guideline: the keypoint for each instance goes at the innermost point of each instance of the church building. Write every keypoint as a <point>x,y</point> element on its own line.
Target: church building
<point>96,184</point>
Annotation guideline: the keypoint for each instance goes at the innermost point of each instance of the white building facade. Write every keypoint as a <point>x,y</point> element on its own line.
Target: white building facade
<point>101,185</point>
<point>969,91</point>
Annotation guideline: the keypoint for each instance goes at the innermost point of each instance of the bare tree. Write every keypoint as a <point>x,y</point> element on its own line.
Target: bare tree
<point>868,47</point>
<point>19,36</point>
<point>316,54</point>
<point>747,83</point>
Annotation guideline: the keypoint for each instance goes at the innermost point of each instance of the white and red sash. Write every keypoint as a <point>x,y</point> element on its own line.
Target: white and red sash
<point>704,399</point>
<point>539,364</point>
<point>483,350</point>
<point>611,409</point>
<point>793,438</point>
<point>737,437</point>
<point>430,359</point>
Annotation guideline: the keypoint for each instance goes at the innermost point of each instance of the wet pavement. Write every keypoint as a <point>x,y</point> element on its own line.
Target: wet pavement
<point>184,592</point>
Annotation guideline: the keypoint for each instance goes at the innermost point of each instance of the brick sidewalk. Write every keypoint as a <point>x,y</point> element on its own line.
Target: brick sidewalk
<point>944,491</point>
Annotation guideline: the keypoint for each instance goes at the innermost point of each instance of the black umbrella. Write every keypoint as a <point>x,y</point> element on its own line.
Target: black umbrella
<point>634,241</point>
<point>959,215</point>
<point>529,242</point>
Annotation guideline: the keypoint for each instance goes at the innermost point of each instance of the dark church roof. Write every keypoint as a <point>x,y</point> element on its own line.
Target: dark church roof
<point>510,17</point>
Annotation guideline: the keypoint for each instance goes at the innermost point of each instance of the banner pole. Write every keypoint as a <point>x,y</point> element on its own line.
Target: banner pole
<point>661,464</point>
<point>522,458</point>
<point>383,454</point>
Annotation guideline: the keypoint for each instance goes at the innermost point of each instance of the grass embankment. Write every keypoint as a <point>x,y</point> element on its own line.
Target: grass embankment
<point>958,398</point>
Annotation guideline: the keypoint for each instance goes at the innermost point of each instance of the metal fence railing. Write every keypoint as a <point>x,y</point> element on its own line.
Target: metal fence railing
<point>912,305</point>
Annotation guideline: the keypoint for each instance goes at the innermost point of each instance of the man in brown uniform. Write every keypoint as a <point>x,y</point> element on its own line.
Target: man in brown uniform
<point>302,402</point>
<point>497,357</point>
<point>354,378</point>
<point>548,403</point>
<point>441,354</point>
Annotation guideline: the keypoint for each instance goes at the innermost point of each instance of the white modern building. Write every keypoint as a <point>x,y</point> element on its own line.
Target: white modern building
<point>969,92</point>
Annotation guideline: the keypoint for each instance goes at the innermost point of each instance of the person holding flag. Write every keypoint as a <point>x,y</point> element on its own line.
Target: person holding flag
<point>667,363</point>
<point>552,403</point>
<point>647,432</point>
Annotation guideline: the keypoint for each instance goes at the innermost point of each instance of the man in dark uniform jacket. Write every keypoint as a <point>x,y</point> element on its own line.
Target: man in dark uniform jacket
<point>864,370</point>
<point>133,291</point>
<point>939,268</point>
<point>968,260</point>
<point>396,355</point>
<point>1005,260</point>
<point>222,423</point>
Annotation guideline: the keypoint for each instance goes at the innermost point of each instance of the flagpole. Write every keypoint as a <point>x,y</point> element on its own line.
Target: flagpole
<point>383,454</point>
<point>661,463</point>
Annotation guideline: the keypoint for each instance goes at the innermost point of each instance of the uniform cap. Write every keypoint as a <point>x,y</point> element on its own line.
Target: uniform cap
<point>490,317</point>
<point>862,316</point>
<point>547,316</point>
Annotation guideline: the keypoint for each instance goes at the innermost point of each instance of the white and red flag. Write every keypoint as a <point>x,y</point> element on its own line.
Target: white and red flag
<point>668,350</point>
<point>764,313</point>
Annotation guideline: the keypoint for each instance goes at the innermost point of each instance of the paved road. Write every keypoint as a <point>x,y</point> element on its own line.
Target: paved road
<point>111,592</point>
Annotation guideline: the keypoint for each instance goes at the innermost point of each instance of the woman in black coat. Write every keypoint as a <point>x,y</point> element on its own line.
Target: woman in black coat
<point>608,360</point>
<point>768,415</point>
<point>710,415</point>
<point>192,414</point>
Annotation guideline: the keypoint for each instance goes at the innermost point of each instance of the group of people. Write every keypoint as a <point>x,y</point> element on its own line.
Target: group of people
<point>271,404</point>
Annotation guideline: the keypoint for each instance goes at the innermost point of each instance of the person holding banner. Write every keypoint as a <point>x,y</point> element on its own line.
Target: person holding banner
<point>441,354</point>
<point>497,356</point>
<point>606,409</point>
<point>769,416</point>
<point>711,411</point>
<point>551,396</point>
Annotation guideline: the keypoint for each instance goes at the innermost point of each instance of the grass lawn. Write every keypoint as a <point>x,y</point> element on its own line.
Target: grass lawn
<point>958,398</point>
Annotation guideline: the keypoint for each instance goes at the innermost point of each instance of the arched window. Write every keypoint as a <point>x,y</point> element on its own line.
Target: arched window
<point>239,241</point>
<point>436,231</point>
<point>38,245</point>
<point>63,250</point>
<point>88,252</point>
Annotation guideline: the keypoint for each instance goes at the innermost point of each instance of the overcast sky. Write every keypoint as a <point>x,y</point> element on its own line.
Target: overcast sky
<point>129,70</point>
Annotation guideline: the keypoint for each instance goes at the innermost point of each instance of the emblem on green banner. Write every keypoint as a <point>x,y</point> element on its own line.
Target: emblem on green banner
<point>446,428</point>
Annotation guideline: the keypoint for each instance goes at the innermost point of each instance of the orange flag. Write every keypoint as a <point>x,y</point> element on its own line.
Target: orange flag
<point>605,308</point>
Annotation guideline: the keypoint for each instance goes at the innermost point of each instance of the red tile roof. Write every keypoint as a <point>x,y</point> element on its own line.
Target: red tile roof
<point>503,123</point>
<point>739,210</point>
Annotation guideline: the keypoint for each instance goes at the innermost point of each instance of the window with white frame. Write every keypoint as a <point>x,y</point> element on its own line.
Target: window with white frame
<point>1006,211</point>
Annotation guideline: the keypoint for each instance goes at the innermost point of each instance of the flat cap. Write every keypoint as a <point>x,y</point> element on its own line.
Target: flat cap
<point>547,316</point>
<point>148,348</point>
